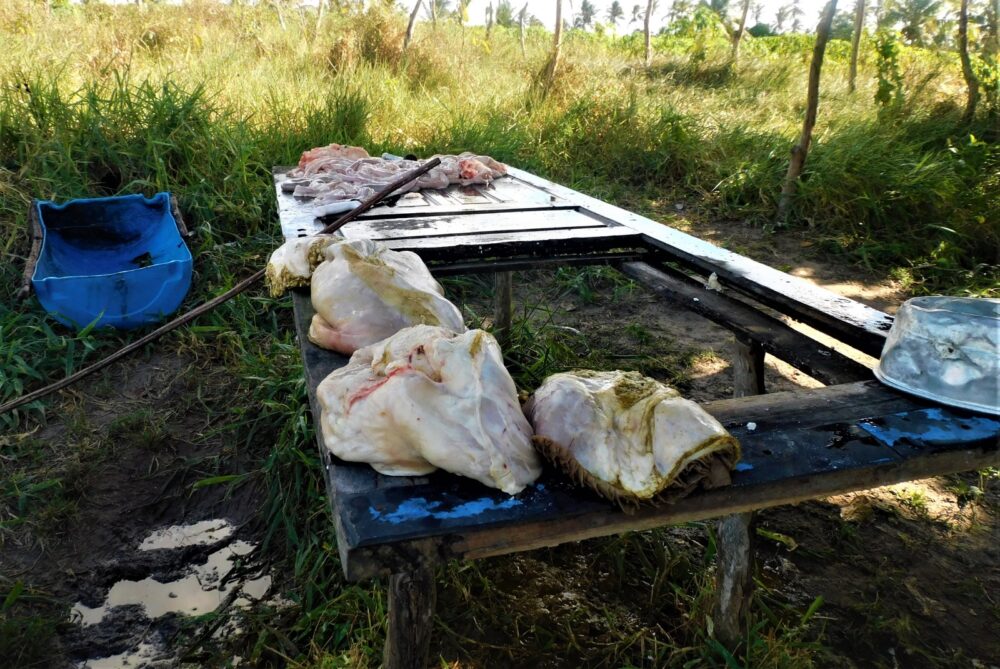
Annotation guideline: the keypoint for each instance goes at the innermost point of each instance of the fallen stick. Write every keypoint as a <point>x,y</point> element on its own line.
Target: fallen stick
<point>216,301</point>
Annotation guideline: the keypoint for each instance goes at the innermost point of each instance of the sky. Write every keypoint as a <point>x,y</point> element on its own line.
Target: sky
<point>546,10</point>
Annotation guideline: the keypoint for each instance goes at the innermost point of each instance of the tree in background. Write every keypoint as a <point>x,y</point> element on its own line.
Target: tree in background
<point>636,14</point>
<point>859,24</point>
<point>796,14</point>
<point>522,17</point>
<point>553,64</point>
<point>918,17</point>
<point>679,10</point>
<point>781,16</point>
<point>489,20</point>
<point>971,82</point>
<point>409,26</point>
<point>889,94</point>
<point>757,9</point>
<point>586,16</point>
<point>800,150</point>
<point>990,71</point>
<point>738,35</point>
<point>438,8</point>
<point>505,14</point>
<point>843,26</point>
<point>761,30</point>
<point>650,5</point>
<point>615,14</point>
<point>462,14</point>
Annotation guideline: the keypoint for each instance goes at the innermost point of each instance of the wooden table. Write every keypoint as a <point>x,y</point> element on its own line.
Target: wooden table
<point>852,434</point>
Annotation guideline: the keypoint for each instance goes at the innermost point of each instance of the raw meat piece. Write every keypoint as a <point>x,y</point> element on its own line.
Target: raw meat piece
<point>629,437</point>
<point>331,151</point>
<point>336,172</point>
<point>365,292</point>
<point>291,265</point>
<point>427,398</point>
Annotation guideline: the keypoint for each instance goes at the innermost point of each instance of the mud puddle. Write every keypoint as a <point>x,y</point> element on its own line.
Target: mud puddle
<point>133,625</point>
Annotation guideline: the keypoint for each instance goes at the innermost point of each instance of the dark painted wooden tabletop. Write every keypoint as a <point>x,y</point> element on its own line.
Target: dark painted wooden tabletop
<point>796,446</point>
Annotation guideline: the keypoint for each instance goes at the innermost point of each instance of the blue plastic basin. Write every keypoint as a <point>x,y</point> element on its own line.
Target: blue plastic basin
<point>118,260</point>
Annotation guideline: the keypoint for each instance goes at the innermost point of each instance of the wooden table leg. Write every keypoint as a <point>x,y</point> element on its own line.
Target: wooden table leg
<point>412,596</point>
<point>735,533</point>
<point>503,309</point>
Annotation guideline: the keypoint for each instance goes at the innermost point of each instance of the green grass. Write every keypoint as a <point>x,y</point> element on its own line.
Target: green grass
<point>202,101</point>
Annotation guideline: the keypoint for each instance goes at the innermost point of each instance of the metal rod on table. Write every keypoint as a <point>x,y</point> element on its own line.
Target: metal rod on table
<point>216,301</point>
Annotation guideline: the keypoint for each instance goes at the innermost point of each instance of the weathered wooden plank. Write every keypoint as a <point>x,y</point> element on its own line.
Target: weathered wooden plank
<point>850,321</point>
<point>362,562</point>
<point>776,338</point>
<point>814,406</point>
<point>544,244</point>
<point>466,245</point>
<point>517,264</point>
<point>782,463</point>
<point>468,224</point>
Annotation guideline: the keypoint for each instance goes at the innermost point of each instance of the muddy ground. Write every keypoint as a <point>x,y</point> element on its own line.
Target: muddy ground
<point>909,575</point>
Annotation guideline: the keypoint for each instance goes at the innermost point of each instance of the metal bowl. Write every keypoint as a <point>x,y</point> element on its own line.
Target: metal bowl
<point>946,349</point>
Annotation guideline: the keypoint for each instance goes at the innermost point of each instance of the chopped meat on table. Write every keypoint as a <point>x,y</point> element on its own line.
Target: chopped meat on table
<point>629,437</point>
<point>364,292</point>
<point>336,172</point>
<point>428,398</point>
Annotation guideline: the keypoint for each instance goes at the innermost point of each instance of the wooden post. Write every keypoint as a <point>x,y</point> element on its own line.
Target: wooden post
<point>412,597</point>
<point>800,150</point>
<point>503,309</point>
<point>748,369</point>
<point>735,533</point>
<point>859,24</point>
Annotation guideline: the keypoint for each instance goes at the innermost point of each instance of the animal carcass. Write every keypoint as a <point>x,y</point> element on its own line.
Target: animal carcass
<point>429,398</point>
<point>364,292</point>
<point>629,437</point>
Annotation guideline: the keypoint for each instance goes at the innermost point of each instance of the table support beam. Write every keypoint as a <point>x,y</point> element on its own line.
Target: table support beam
<point>412,597</point>
<point>735,533</point>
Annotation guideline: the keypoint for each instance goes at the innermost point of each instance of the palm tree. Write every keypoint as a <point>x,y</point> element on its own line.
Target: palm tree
<point>796,13</point>
<point>586,16</point>
<point>917,16</point>
<point>636,14</point>
<point>678,10</point>
<point>781,16</point>
<point>615,13</point>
